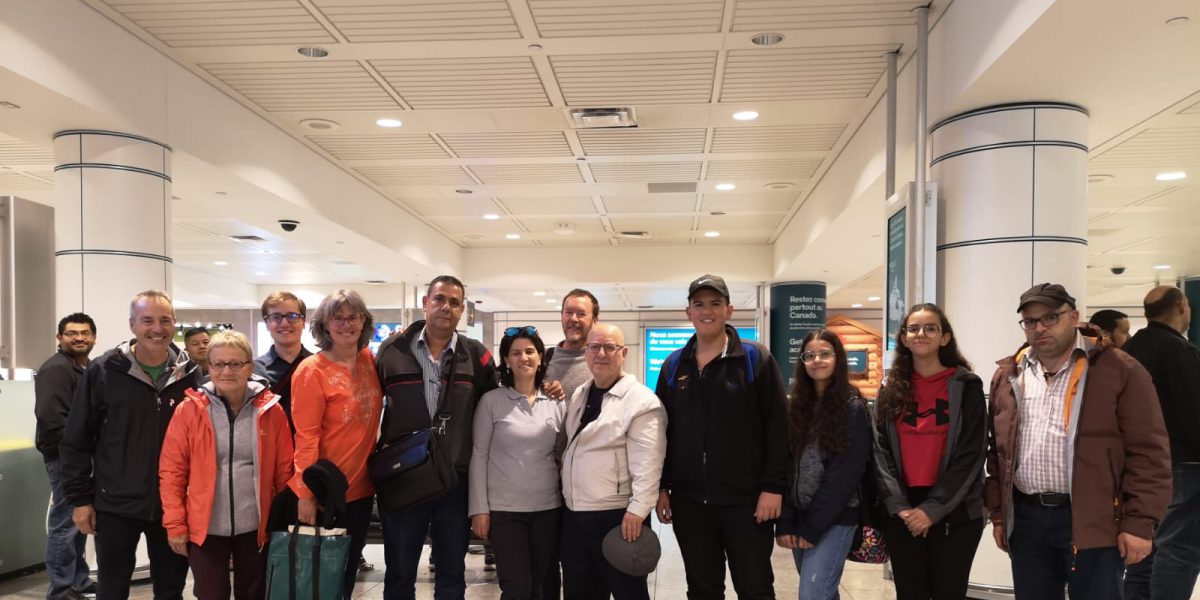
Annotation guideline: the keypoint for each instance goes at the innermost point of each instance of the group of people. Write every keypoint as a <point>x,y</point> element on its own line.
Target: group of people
<point>560,454</point>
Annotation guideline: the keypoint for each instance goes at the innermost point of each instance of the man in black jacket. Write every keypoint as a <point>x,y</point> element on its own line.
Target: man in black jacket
<point>54,388</point>
<point>1174,364</point>
<point>432,377</point>
<point>727,450</point>
<point>111,444</point>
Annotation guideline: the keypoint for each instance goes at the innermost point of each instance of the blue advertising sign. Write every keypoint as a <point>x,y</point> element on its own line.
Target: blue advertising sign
<point>660,342</point>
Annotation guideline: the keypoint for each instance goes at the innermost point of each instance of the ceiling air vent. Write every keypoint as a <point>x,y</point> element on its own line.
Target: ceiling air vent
<point>602,118</point>
<point>632,235</point>
<point>672,187</point>
<point>246,238</point>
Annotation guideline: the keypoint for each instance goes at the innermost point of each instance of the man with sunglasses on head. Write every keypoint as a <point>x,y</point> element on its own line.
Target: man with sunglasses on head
<point>284,314</point>
<point>727,450</point>
<point>1077,455</point>
<point>432,377</point>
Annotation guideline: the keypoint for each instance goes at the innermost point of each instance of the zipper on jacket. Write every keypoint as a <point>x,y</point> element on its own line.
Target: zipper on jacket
<point>617,472</point>
<point>232,434</point>
<point>704,471</point>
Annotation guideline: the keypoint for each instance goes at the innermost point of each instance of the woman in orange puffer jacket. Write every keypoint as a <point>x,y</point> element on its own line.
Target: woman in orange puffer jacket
<point>227,452</point>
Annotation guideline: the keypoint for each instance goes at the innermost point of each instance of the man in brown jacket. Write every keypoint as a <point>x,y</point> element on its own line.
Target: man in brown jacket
<point>1078,460</point>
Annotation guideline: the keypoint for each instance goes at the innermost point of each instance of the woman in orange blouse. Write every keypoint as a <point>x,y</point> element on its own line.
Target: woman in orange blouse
<point>336,407</point>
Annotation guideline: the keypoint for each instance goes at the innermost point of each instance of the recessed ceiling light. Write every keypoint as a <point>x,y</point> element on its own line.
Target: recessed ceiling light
<point>712,234</point>
<point>491,216</point>
<point>220,263</point>
<point>388,122</point>
<point>779,186</point>
<point>539,293</point>
<point>725,187</point>
<point>1161,267</point>
<point>766,39</point>
<point>312,52</point>
<point>855,306</point>
<point>260,273</point>
<point>320,124</point>
<point>1171,176</point>
<point>512,236</point>
<point>872,298</point>
<point>745,115</point>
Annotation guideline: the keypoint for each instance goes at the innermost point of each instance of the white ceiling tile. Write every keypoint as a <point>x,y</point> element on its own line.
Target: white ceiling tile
<point>764,202</point>
<point>582,225</point>
<point>782,170</point>
<point>543,173</point>
<point>646,172</point>
<point>783,15</point>
<point>616,79</point>
<point>803,73</point>
<point>504,144</point>
<point>633,141</point>
<point>16,152</point>
<point>1156,148</point>
<point>656,225</point>
<point>376,147</point>
<point>453,207</point>
<point>598,18</point>
<point>785,138</point>
<point>419,21</point>
<point>521,207</point>
<point>473,82</point>
<point>302,86</point>
<point>763,223</point>
<point>400,175</point>
<point>655,203</point>
<point>213,23</point>
<point>15,181</point>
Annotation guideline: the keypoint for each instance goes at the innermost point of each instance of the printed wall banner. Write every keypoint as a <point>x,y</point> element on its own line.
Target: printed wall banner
<point>895,306</point>
<point>660,342</point>
<point>797,308</point>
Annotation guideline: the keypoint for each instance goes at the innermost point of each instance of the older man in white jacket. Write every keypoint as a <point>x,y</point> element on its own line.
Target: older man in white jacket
<point>617,432</point>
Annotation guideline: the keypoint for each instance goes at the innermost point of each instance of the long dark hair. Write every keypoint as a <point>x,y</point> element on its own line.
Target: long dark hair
<point>506,374</point>
<point>821,419</point>
<point>896,398</point>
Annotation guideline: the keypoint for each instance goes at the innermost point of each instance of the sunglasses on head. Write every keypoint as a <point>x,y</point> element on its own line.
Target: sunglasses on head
<point>527,330</point>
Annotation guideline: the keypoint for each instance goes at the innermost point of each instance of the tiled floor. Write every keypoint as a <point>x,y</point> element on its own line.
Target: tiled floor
<point>860,582</point>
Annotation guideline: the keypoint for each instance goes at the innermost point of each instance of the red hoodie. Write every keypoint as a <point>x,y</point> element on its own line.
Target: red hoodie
<point>923,434</point>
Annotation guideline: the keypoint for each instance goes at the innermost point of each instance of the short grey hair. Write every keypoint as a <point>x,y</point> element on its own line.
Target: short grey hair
<point>232,339</point>
<point>319,325</point>
<point>157,294</point>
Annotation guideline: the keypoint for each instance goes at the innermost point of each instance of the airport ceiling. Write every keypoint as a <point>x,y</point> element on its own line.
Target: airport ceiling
<point>487,154</point>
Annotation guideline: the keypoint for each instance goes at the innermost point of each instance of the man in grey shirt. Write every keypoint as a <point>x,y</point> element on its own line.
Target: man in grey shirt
<point>567,364</point>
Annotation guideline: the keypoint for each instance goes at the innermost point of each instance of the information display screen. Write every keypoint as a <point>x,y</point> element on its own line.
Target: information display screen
<point>660,342</point>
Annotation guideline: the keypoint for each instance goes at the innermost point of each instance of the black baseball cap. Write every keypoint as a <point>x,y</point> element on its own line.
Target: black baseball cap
<point>1050,294</point>
<point>711,282</point>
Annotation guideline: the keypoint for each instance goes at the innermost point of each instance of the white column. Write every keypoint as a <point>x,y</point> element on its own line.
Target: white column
<point>112,227</point>
<point>1012,183</point>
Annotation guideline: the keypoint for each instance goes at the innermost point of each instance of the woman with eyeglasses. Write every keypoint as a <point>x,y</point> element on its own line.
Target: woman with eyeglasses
<point>514,499</point>
<point>336,407</point>
<point>930,441</point>
<point>830,438</point>
<point>227,453</point>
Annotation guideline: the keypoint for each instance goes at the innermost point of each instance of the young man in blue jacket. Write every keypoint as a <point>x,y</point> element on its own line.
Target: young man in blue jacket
<point>727,450</point>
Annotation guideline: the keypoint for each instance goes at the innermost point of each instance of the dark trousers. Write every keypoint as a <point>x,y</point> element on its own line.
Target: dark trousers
<point>356,522</point>
<point>552,582</point>
<point>1170,570</point>
<point>116,551</point>
<point>934,567</point>
<point>523,543</point>
<point>586,573</point>
<point>445,520</point>
<point>65,562</point>
<point>210,567</point>
<point>1043,562</point>
<point>708,535</point>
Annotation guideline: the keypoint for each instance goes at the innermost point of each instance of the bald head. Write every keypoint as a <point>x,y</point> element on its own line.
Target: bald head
<point>1167,304</point>
<point>607,330</point>
<point>606,354</point>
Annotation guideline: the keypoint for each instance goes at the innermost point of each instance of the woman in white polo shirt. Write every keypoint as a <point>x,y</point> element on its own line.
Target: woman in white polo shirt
<point>515,500</point>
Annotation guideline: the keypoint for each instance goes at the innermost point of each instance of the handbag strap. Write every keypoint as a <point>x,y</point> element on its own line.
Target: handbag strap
<point>292,561</point>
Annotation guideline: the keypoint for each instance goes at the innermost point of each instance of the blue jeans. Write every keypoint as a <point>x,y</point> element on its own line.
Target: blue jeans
<point>65,561</point>
<point>1043,561</point>
<point>1170,571</point>
<point>820,567</point>
<point>445,520</point>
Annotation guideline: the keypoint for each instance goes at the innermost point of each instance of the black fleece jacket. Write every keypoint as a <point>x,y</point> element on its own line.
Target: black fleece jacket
<point>1174,364</point>
<point>54,390</point>
<point>115,431</point>
<point>727,439</point>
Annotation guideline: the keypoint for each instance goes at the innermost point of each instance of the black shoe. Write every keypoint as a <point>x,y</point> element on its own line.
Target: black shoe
<point>363,565</point>
<point>489,560</point>
<point>73,595</point>
<point>90,589</point>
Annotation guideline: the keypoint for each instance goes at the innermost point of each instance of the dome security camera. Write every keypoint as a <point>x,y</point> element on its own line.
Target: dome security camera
<point>289,225</point>
<point>1117,269</point>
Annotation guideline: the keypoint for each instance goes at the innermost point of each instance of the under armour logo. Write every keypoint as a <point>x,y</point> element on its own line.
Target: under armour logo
<point>940,410</point>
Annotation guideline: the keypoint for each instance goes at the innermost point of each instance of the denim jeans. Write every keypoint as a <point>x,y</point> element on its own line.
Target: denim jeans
<point>445,520</point>
<point>1043,560</point>
<point>820,567</point>
<point>1170,571</point>
<point>65,561</point>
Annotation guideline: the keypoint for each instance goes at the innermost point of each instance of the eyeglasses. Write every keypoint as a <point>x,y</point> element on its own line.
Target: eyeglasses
<point>607,348</point>
<point>78,334</point>
<point>276,318</point>
<point>221,366</point>
<point>1047,320</point>
<point>527,330</point>
<point>808,357</point>
<point>930,329</point>
<point>343,321</point>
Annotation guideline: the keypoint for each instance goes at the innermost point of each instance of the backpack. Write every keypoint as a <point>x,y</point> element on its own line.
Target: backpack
<point>752,357</point>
